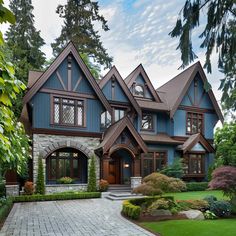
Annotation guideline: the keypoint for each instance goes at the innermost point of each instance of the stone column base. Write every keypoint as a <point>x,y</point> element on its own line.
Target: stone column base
<point>12,190</point>
<point>135,181</point>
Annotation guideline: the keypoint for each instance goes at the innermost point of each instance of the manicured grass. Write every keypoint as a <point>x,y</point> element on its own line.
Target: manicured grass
<point>196,195</point>
<point>193,228</point>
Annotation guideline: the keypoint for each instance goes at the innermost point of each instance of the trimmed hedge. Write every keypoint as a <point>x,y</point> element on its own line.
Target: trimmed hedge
<point>132,208</point>
<point>196,186</point>
<point>2,189</point>
<point>57,196</point>
<point>5,209</point>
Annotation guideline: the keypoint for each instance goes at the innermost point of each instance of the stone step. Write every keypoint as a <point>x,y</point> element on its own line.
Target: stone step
<point>123,197</point>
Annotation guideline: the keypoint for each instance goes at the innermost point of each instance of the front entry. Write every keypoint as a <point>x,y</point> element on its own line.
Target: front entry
<point>120,167</point>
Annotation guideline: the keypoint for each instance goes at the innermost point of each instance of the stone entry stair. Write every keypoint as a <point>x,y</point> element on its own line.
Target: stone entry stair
<point>120,192</point>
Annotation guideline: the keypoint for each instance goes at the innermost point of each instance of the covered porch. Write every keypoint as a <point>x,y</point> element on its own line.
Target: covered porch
<point>120,152</point>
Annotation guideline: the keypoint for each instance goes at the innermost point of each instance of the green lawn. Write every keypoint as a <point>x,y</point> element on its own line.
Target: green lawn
<point>196,195</point>
<point>193,228</point>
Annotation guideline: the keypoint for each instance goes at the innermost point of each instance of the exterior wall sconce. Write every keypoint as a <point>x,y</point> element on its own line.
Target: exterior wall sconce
<point>126,165</point>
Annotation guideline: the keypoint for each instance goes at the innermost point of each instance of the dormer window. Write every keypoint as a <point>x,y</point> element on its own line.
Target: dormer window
<point>68,111</point>
<point>138,90</point>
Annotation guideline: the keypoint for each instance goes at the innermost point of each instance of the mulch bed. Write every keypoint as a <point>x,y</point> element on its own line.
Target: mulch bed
<point>150,218</point>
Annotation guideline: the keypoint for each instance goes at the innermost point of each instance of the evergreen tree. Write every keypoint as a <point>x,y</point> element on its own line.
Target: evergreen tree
<point>24,42</point>
<point>79,18</point>
<point>92,186</point>
<point>40,183</point>
<point>219,35</point>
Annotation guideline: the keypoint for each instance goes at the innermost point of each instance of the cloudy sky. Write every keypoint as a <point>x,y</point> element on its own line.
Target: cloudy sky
<point>138,34</point>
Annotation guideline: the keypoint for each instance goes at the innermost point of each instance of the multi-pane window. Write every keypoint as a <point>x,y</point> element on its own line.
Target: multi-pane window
<point>152,162</point>
<point>138,90</point>
<point>147,121</point>
<point>66,163</point>
<point>105,120</point>
<point>68,111</point>
<point>194,164</point>
<point>118,114</point>
<point>194,123</point>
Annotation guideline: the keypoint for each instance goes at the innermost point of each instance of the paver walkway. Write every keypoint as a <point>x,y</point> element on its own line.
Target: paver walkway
<point>91,217</point>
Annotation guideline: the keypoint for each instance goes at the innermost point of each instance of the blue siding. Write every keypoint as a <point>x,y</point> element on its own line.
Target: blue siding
<point>41,114</point>
<point>107,90</point>
<point>159,147</point>
<point>53,82</point>
<point>119,93</point>
<point>180,123</point>
<point>209,124</point>
<point>198,147</point>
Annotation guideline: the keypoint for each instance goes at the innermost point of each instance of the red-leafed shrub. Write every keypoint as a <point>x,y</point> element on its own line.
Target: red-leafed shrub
<point>224,178</point>
<point>103,185</point>
<point>29,188</point>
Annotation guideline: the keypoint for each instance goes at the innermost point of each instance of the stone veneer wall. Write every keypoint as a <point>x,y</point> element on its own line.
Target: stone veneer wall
<point>44,144</point>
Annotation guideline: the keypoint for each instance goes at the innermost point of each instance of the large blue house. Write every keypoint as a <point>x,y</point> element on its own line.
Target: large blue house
<point>131,128</point>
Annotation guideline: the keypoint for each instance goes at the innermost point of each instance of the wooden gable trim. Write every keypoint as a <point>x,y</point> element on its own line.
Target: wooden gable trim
<point>134,74</point>
<point>199,139</point>
<point>70,48</point>
<point>125,123</point>
<point>198,68</point>
<point>115,72</point>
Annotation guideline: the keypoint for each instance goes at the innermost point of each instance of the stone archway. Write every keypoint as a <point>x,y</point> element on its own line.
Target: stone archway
<point>64,144</point>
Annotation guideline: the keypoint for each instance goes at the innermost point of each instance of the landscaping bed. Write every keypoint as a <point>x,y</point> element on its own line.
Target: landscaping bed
<point>5,208</point>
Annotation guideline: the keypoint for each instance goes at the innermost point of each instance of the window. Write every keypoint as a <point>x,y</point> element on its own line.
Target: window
<point>105,120</point>
<point>118,114</point>
<point>147,121</point>
<point>68,111</point>
<point>194,164</point>
<point>66,163</point>
<point>152,162</point>
<point>194,123</point>
<point>138,90</point>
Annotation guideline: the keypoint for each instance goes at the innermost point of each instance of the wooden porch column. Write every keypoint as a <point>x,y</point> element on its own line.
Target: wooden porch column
<point>137,166</point>
<point>105,166</point>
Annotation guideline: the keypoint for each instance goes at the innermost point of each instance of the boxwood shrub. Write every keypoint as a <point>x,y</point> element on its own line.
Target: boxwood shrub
<point>5,209</point>
<point>196,186</point>
<point>132,208</point>
<point>56,196</point>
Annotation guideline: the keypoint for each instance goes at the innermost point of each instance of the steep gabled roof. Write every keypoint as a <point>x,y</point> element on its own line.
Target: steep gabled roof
<point>33,76</point>
<point>134,74</point>
<point>176,88</point>
<point>70,48</point>
<point>114,131</point>
<point>193,140</point>
<point>114,72</point>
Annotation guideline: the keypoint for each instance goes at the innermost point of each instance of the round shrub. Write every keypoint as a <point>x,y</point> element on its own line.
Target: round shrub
<point>65,180</point>
<point>157,184</point>
<point>210,199</point>
<point>103,185</point>
<point>28,188</point>
<point>221,208</point>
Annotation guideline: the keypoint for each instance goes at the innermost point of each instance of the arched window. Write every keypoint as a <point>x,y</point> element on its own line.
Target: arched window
<point>138,90</point>
<point>66,162</point>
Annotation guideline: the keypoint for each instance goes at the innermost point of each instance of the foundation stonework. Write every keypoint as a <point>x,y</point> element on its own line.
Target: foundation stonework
<point>44,144</point>
<point>58,188</point>
<point>12,190</point>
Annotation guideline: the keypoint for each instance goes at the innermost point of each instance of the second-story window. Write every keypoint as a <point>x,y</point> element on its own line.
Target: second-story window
<point>105,120</point>
<point>194,123</point>
<point>68,111</point>
<point>118,114</point>
<point>147,121</point>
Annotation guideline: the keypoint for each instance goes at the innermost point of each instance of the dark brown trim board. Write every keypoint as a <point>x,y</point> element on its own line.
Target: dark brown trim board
<point>69,49</point>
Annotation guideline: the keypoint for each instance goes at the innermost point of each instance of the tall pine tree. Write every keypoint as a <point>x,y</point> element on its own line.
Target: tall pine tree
<point>24,42</point>
<point>79,18</point>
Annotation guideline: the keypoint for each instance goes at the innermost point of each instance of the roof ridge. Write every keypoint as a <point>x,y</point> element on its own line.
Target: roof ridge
<point>190,67</point>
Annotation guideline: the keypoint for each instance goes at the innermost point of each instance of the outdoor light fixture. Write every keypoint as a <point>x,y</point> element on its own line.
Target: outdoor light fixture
<point>126,165</point>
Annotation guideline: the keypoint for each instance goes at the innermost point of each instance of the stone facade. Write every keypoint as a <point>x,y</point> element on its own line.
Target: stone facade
<point>44,144</point>
<point>12,190</point>
<point>135,181</point>
<point>57,188</point>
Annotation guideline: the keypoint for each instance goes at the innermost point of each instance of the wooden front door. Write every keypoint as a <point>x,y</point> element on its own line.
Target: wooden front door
<point>114,171</point>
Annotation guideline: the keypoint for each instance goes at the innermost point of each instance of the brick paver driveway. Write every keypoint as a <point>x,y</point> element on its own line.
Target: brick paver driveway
<point>77,217</point>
